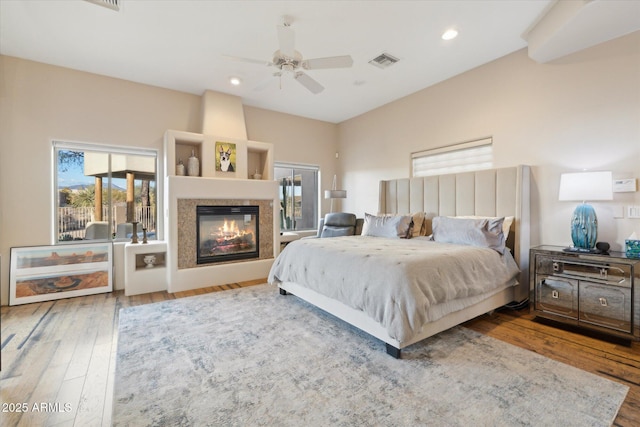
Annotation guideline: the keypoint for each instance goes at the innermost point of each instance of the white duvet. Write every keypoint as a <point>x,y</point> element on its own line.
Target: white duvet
<point>394,281</point>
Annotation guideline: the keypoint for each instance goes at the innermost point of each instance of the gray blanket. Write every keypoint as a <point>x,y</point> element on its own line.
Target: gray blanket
<point>394,281</point>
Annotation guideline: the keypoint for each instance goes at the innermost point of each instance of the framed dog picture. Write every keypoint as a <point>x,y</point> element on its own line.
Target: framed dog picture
<point>43,273</point>
<point>225,156</point>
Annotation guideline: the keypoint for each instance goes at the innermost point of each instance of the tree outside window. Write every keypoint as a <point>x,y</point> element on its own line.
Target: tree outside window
<point>100,194</point>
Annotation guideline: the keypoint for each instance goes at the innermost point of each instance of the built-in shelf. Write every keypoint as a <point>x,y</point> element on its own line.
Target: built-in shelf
<point>160,260</point>
<point>140,279</point>
<point>184,152</point>
<point>250,156</point>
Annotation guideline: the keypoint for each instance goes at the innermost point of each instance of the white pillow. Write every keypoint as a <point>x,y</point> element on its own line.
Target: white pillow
<point>483,232</point>
<point>392,226</point>
<point>506,225</point>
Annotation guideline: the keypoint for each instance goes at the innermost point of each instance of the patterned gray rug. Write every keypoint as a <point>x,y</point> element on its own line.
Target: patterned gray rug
<point>251,357</point>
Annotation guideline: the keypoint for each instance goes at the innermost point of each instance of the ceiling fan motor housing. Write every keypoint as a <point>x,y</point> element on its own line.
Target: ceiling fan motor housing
<point>287,63</point>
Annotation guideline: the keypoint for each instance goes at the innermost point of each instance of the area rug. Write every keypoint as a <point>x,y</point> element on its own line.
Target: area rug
<point>252,357</point>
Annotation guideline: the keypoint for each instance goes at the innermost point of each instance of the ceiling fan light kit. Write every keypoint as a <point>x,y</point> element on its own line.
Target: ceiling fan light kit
<point>288,60</point>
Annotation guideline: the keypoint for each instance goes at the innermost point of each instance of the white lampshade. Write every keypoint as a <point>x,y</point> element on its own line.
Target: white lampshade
<point>335,194</point>
<point>583,186</point>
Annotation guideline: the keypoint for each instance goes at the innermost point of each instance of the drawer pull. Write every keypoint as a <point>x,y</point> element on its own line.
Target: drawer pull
<point>601,272</point>
<point>556,294</point>
<point>603,302</point>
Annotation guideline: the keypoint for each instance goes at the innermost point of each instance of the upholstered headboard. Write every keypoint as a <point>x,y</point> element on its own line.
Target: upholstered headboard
<point>492,192</point>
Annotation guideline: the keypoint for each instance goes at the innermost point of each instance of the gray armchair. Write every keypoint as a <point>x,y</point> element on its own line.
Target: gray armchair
<point>97,230</point>
<point>339,224</point>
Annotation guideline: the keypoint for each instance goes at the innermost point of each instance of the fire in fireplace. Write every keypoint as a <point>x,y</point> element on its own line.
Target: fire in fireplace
<point>227,233</point>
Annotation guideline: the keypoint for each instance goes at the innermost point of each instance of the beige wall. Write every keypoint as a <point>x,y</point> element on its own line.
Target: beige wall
<point>579,112</point>
<point>40,103</point>
<point>297,140</point>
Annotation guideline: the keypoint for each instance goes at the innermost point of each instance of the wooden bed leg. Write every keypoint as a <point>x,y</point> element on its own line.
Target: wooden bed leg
<point>393,351</point>
<point>282,291</point>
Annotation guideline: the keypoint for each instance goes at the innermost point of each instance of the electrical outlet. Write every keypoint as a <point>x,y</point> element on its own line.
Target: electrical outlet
<point>633,212</point>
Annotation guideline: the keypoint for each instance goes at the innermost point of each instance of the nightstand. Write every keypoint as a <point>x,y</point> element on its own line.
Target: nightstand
<point>593,291</point>
<point>287,237</point>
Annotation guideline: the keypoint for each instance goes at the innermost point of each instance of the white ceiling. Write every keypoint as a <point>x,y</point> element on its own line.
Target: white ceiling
<point>181,44</point>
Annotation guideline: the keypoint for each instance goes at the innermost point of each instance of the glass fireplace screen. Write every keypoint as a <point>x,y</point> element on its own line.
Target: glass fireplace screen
<point>227,233</point>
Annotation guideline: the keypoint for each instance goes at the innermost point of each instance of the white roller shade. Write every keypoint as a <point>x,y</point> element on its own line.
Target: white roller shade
<point>468,156</point>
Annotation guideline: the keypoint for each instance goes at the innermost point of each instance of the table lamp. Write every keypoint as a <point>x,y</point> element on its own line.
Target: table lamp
<point>585,186</point>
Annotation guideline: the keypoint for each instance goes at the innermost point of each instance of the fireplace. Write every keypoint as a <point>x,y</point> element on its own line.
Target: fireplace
<point>227,233</point>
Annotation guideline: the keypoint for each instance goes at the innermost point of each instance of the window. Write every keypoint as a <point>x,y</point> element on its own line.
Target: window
<point>298,189</point>
<point>467,156</point>
<point>100,190</point>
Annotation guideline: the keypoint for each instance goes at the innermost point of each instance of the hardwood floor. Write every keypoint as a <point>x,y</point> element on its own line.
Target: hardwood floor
<point>58,357</point>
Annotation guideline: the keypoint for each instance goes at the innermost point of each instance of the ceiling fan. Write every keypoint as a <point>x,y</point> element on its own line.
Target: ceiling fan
<point>288,60</point>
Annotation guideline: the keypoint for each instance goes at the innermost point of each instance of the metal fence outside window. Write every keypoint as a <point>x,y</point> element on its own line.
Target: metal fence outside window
<point>72,221</point>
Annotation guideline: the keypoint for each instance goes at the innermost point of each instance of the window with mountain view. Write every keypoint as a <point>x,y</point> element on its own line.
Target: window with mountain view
<point>100,191</point>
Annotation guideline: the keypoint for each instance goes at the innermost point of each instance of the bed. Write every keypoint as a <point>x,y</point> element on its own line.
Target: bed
<point>403,290</point>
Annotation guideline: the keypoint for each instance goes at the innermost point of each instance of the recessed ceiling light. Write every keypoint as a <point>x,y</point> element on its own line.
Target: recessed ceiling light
<point>235,81</point>
<point>449,34</point>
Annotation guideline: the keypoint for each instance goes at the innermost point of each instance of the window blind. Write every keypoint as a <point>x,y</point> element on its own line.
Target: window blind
<point>467,156</point>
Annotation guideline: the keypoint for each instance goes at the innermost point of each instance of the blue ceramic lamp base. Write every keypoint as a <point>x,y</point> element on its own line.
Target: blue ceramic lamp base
<point>584,227</point>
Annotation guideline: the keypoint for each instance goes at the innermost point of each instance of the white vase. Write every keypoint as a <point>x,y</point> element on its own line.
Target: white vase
<point>180,168</point>
<point>150,260</point>
<point>193,165</point>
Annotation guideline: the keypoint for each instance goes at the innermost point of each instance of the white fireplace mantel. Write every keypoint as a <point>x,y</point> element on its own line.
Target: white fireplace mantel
<point>243,190</point>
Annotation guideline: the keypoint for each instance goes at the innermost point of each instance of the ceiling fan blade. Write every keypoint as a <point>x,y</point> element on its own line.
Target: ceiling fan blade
<point>329,62</point>
<point>306,81</point>
<point>249,60</point>
<point>286,38</point>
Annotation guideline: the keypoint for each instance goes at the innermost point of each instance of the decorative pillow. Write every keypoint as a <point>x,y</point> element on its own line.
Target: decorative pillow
<point>483,232</point>
<point>392,226</point>
<point>418,219</point>
<point>427,228</point>
<point>506,225</point>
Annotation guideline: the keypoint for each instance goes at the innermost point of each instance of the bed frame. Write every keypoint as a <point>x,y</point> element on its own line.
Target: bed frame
<point>493,192</point>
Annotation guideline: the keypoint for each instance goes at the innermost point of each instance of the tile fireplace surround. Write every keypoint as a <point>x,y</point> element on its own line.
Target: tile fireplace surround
<point>187,228</point>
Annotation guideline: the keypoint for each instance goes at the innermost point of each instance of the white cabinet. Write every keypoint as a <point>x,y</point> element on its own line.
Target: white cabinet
<point>145,267</point>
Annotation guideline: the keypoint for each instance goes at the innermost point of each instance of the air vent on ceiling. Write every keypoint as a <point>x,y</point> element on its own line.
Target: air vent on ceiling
<point>111,4</point>
<point>383,60</point>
